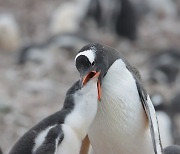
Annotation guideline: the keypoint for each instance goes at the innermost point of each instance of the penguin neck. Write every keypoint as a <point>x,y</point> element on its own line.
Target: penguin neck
<point>84,111</point>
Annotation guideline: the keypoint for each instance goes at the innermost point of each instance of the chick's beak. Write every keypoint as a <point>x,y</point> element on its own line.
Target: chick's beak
<point>90,75</point>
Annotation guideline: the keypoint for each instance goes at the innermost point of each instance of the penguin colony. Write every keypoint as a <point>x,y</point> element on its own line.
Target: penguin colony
<point>108,103</point>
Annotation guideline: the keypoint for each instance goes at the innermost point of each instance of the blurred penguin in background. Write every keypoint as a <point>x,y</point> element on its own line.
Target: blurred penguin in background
<point>68,16</point>
<point>43,52</point>
<point>167,114</point>
<point>164,120</point>
<point>165,66</point>
<point>9,33</point>
<point>118,16</point>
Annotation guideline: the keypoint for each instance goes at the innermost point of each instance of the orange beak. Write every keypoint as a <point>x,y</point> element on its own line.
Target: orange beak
<point>91,75</point>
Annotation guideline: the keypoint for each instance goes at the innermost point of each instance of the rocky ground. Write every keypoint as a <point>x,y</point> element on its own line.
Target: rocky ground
<point>30,92</point>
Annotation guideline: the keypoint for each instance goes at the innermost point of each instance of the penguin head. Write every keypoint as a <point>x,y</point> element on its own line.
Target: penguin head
<point>95,58</point>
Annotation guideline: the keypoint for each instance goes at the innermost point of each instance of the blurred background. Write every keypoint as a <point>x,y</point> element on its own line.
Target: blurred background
<point>40,38</point>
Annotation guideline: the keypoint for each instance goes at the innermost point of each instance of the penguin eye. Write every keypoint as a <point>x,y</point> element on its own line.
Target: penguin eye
<point>93,63</point>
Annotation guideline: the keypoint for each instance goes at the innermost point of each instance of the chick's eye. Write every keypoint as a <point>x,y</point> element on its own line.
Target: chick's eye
<point>93,63</point>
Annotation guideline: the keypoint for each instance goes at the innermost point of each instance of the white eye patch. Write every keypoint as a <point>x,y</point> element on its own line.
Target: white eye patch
<point>89,54</point>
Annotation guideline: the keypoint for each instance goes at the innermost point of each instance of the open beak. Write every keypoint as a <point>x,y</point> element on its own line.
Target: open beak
<point>90,75</point>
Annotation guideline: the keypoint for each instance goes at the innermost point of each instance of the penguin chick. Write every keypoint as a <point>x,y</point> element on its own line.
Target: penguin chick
<point>63,131</point>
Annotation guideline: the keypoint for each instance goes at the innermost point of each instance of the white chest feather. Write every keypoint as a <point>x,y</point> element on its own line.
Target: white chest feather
<point>120,125</point>
<point>78,121</point>
<point>84,110</point>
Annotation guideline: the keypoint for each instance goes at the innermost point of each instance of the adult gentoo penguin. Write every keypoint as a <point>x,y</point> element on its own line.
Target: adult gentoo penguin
<point>63,131</point>
<point>125,116</point>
